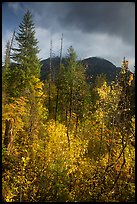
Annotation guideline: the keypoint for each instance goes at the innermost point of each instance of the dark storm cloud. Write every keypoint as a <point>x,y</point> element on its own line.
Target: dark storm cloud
<point>104,29</point>
<point>113,18</point>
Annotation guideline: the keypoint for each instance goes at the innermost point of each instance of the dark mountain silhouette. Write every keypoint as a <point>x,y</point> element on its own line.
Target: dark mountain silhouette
<point>97,66</point>
<point>46,67</point>
<point>94,66</point>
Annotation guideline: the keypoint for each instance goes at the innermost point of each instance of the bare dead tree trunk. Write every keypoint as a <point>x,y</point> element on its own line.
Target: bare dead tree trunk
<point>12,40</point>
<point>76,126</point>
<point>102,132</point>
<point>7,58</point>
<point>8,50</point>
<point>8,136</point>
<point>61,51</point>
<point>68,135</point>
<point>57,96</point>
<point>70,115</point>
<point>50,78</point>
<point>111,144</point>
<point>70,107</point>
<point>56,108</point>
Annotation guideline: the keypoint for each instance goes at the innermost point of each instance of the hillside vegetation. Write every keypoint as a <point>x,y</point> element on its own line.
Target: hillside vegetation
<point>65,138</point>
<point>93,66</point>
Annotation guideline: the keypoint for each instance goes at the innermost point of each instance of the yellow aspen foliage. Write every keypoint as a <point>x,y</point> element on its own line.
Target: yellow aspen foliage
<point>130,79</point>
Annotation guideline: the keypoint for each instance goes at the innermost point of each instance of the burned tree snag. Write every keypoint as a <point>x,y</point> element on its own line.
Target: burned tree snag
<point>8,136</point>
<point>7,133</point>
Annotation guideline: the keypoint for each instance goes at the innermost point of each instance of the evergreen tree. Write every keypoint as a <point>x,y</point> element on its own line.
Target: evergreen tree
<point>22,78</point>
<point>124,104</point>
<point>79,90</point>
<point>26,63</point>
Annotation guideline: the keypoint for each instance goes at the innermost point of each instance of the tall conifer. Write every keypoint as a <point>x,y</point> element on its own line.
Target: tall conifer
<point>26,63</point>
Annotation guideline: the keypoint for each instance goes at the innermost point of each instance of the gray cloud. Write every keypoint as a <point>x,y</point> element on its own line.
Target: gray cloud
<point>105,29</point>
<point>87,45</point>
<point>107,16</point>
<point>113,18</point>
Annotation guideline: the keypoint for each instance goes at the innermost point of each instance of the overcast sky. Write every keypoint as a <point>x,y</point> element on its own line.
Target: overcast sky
<point>101,29</point>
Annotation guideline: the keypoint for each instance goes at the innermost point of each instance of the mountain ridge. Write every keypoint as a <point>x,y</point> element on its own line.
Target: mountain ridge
<point>94,66</point>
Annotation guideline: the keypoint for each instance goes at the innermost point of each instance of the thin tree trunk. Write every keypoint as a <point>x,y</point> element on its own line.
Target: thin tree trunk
<point>61,51</point>
<point>76,126</point>
<point>110,148</point>
<point>102,131</point>
<point>70,115</point>
<point>8,137</point>
<point>7,133</point>
<point>68,135</point>
<point>56,109</point>
<point>66,117</point>
<point>49,97</point>
<point>70,107</point>
<point>50,78</point>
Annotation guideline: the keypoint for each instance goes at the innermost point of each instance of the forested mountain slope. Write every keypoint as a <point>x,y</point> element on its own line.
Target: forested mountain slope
<point>94,66</point>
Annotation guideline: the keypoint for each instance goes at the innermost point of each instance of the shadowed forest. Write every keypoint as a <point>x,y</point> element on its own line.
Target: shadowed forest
<point>63,138</point>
